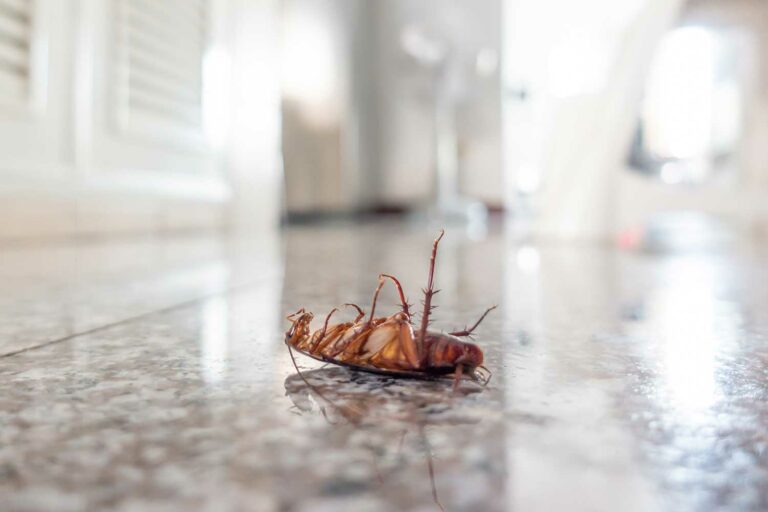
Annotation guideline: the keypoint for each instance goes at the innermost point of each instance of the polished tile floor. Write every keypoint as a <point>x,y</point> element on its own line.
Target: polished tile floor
<point>151,375</point>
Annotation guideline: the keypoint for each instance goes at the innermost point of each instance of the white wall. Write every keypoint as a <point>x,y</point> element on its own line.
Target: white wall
<point>80,153</point>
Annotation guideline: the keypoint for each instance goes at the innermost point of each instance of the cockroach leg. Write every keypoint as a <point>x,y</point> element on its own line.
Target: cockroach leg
<point>457,377</point>
<point>341,347</point>
<point>403,301</point>
<point>292,316</point>
<point>429,291</point>
<point>375,298</point>
<point>325,328</point>
<point>470,330</point>
<point>360,312</point>
<point>320,338</point>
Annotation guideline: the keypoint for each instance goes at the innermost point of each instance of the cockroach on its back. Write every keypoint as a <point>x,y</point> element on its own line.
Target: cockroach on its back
<point>389,345</point>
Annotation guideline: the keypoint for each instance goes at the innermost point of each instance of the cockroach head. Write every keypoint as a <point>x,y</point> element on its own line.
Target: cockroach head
<point>473,356</point>
<point>473,366</point>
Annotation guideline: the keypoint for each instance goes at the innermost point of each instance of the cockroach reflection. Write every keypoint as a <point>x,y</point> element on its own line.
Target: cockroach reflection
<point>391,412</point>
<point>390,345</point>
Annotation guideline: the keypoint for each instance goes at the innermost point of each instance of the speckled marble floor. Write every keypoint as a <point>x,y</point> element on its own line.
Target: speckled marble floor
<point>152,376</point>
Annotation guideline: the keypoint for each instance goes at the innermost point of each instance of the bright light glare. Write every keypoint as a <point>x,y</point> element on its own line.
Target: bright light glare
<point>678,109</point>
<point>691,324</point>
<point>579,65</point>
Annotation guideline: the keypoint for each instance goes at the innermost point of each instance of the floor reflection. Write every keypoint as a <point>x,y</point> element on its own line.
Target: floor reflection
<point>687,316</point>
<point>362,399</point>
<point>214,338</point>
<point>698,406</point>
<point>354,400</point>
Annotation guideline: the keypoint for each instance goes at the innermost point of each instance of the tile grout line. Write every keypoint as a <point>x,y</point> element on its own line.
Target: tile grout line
<point>166,309</point>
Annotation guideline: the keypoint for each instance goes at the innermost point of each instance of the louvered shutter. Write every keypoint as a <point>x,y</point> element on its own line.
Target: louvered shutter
<point>160,57</point>
<point>15,60</point>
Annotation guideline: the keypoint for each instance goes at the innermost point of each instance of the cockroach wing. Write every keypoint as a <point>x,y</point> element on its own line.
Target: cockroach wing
<point>391,346</point>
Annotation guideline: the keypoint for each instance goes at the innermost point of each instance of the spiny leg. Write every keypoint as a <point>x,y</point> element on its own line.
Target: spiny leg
<point>469,331</point>
<point>403,300</point>
<point>429,291</point>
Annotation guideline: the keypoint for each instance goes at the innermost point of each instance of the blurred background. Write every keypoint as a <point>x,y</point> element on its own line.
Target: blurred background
<point>177,176</point>
<point>640,121</point>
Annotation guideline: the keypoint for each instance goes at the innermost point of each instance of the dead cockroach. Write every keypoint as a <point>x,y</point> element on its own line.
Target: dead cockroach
<point>390,345</point>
